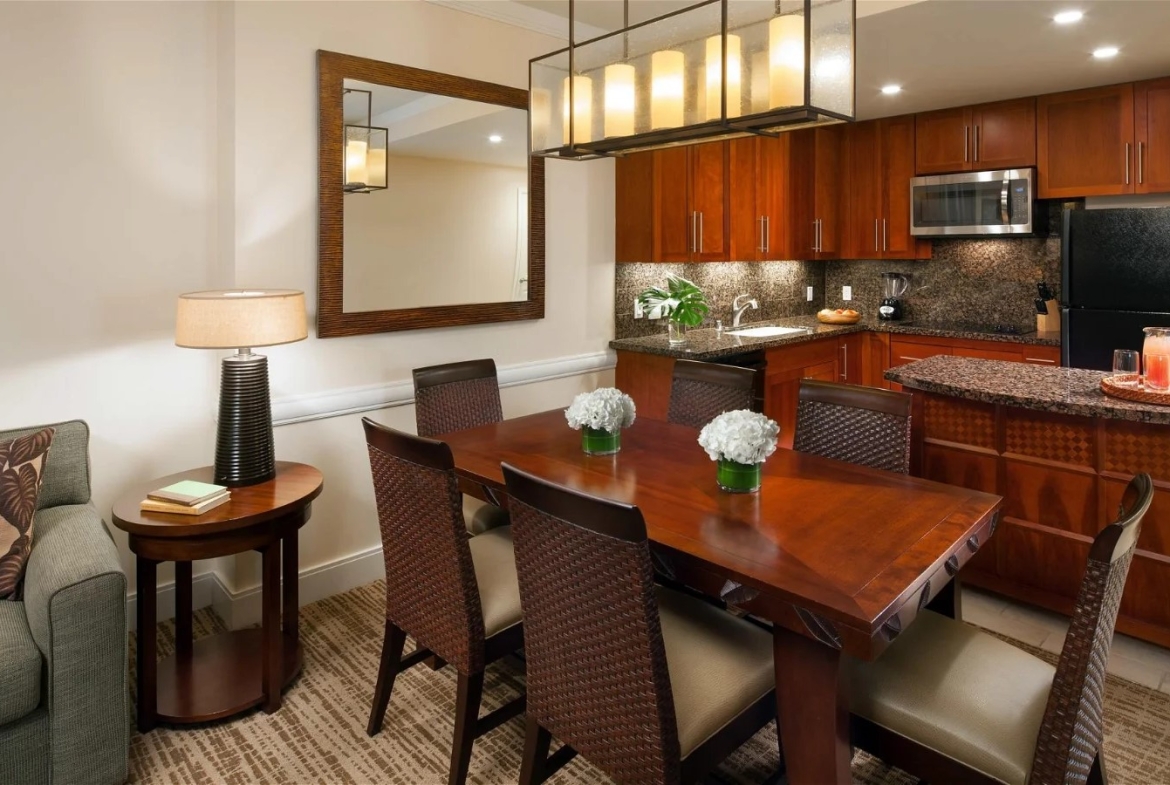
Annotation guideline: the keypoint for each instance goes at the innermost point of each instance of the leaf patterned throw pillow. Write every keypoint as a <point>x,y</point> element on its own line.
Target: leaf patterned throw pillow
<point>22,467</point>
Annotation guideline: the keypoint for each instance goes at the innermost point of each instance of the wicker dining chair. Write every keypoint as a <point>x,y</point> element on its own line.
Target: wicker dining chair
<point>457,597</point>
<point>650,685</point>
<point>699,392</point>
<point>862,425</point>
<point>455,397</point>
<point>949,703</point>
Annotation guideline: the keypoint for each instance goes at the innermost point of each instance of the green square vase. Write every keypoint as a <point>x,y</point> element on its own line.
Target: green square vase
<point>597,441</point>
<point>738,477</point>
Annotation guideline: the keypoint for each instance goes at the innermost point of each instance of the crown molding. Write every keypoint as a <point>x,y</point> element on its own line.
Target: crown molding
<point>524,16</point>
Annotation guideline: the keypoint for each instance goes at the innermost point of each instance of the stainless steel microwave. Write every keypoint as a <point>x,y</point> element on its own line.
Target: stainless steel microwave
<point>974,204</point>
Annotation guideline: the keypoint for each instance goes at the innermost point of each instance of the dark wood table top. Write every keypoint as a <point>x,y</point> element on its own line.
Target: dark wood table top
<point>849,544</point>
<point>295,485</point>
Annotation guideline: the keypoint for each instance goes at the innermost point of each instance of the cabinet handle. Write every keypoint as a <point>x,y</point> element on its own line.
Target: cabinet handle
<point>767,234</point>
<point>700,249</point>
<point>820,236</point>
<point>845,365</point>
<point>694,231</point>
<point>876,247</point>
<point>760,247</point>
<point>966,143</point>
<point>1141,164</point>
<point>1039,360</point>
<point>885,236</point>
<point>815,222</point>
<point>976,143</point>
<point>1127,163</point>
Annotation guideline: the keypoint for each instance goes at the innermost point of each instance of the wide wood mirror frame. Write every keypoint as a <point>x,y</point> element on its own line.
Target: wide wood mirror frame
<point>337,72</point>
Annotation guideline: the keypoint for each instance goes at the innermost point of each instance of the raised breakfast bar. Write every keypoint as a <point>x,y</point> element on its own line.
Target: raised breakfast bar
<point>1060,452</point>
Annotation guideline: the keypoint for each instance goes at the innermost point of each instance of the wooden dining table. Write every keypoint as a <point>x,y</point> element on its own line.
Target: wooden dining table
<point>839,558</point>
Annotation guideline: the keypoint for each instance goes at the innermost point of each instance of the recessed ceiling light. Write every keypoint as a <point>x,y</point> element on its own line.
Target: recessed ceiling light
<point>1105,52</point>
<point>495,138</point>
<point>1068,17</point>
<point>892,89</point>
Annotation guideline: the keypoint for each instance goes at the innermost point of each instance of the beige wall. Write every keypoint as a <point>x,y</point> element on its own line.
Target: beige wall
<point>163,147</point>
<point>444,233</point>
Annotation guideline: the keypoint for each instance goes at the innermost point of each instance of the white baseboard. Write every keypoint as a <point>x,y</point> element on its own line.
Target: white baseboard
<point>243,608</point>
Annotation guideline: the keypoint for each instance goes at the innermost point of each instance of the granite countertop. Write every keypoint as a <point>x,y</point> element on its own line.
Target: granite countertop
<point>1072,391</point>
<point>709,344</point>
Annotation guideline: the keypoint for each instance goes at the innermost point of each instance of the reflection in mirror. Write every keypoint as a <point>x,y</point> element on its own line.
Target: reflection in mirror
<point>451,225</point>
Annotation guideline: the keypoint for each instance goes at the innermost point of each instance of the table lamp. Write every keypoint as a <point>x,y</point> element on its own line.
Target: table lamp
<point>242,319</point>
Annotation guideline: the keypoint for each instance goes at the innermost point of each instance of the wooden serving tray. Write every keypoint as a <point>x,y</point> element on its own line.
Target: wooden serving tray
<point>1139,394</point>
<point>838,318</point>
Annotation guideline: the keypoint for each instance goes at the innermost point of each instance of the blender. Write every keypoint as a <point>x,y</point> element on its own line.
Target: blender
<point>894,285</point>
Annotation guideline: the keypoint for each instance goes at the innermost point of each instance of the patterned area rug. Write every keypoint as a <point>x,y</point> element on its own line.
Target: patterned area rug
<point>319,734</point>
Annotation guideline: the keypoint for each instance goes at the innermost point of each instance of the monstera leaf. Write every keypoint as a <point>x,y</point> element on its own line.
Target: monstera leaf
<point>682,301</point>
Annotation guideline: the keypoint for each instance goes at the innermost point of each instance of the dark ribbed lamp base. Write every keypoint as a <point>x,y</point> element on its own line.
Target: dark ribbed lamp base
<point>244,453</point>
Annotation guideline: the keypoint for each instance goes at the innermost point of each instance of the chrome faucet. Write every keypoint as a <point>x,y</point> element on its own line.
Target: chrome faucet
<point>738,309</point>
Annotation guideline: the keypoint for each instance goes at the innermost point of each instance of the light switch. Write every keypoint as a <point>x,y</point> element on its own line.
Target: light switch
<point>846,292</point>
<point>810,294</point>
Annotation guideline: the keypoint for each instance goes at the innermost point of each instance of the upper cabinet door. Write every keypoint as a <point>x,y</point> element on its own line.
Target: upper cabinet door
<point>772,194</point>
<point>745,175</point>
<point>709,201</point>
<point>831,185</point>
<point>943,141</point>
<point>674,224</point>
<point>861,232</point>
<point>897,168</point>
<point>634,213</point>
<point>1004,135</point>
<point>1085,142</point>
<point>1152,128</point>
<point>800,174</point>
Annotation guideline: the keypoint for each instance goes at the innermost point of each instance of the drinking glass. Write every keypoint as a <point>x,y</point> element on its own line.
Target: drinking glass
<point>1158,372</point>
<point>1127,368</point>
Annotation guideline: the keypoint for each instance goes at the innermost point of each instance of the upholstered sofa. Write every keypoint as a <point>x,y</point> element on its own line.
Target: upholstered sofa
<point>63,679</point>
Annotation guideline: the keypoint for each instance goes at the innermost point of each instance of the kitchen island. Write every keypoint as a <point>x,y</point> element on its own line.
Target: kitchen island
<point>1060,452</point>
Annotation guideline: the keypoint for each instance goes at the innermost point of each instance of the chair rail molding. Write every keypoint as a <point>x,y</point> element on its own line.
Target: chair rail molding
<point>287,410</point>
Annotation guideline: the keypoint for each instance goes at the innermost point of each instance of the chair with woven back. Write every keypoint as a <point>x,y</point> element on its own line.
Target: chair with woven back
<point>699,391</point>
<point>650,685</point>
<point>455,397</point>
<point>456,596</point>
<point>952,704</point>
<point>862,425</point>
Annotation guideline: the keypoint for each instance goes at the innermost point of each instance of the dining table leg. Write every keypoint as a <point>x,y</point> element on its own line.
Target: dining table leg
<point>812,710</point>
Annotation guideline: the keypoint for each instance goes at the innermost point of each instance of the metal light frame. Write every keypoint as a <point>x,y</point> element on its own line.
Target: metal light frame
<point>370,131</point>
<point>767,123</point>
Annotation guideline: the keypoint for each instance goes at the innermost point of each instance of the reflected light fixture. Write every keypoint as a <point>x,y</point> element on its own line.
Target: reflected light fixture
<point>366,167</point>
<point>1068,17</point>
<point>892,89</point>
<point>715,69</point>
<point>495,138</point>
<point>1105,52</point>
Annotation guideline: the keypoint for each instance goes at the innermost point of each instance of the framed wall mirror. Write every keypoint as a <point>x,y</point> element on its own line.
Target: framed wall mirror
<point>431,209</point>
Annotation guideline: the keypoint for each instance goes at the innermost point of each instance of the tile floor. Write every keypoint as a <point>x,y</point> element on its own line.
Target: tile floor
<point>1137,661</point>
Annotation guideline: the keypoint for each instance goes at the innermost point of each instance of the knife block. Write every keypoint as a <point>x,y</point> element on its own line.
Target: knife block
<point>1049,322</point>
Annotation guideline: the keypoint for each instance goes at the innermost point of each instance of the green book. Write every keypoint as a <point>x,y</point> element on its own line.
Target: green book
<point>187,492</point>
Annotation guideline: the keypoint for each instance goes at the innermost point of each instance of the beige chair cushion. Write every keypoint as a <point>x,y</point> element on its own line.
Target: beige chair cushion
<point>481,516</point>
<point>958,691</point>
<point>719,665</point>
<point>495,572</point>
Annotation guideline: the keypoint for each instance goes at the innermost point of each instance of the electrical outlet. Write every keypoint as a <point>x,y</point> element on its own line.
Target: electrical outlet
<point>638,313</point>
<point>810,294</point>
<point>846,292</point>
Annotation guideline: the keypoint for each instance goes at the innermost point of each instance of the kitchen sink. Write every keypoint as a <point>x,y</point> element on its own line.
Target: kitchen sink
<point>768,332</point>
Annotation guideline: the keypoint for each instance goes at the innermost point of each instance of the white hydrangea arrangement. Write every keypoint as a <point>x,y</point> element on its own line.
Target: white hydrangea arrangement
<point>741,436</point>
<point>605,409</point>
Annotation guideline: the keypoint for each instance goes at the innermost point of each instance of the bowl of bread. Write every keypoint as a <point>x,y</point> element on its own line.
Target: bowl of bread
<point>838,316</point>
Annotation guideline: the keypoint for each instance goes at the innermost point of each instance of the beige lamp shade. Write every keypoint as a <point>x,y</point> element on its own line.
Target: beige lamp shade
<point>240,318</point>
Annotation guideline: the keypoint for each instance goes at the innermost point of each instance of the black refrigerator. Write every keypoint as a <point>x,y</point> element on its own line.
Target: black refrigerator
<point>1116,277</point>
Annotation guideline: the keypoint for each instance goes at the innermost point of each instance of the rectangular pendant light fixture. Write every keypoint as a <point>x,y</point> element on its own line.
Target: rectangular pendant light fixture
<point>716,69</point>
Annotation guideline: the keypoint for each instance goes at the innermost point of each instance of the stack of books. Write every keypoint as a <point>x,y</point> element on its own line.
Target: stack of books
<point>186,498</point>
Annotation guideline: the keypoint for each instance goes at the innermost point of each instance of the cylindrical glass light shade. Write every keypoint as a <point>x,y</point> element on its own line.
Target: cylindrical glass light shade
<point>619,100</point>
<point>667,89</point>
<point>715,77</point>
<point>786,60</point>
<point>356,161</point>
<point>376,167</point>
<point>240,318</point>
<point>580,118</point>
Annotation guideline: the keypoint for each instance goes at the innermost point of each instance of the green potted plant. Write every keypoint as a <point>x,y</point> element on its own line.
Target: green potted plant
<point>683,303</point>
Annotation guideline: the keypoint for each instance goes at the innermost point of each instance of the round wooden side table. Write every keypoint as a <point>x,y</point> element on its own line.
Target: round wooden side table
<point>226,674</point>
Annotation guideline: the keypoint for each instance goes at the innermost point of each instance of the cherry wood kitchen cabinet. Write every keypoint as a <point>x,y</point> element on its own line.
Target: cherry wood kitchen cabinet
<point>830,186</point>
<point>1000,135</point>
<point>852,358</point>
<point>1085,142</point>
<point>787,365</point>
<point>1152,130</point>
<point>645,378</point>
<point>672,205</point>
<point>910,348</point>
<point>879,160</point>
<point>758,199</point>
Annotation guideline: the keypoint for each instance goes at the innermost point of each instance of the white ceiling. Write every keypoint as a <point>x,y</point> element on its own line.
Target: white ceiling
<point>949,52</point>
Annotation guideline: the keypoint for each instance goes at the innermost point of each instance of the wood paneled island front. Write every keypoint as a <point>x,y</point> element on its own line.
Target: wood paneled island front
<point>1060,452</point>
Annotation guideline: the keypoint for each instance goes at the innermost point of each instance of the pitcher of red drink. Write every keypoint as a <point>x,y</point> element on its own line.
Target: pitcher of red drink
<point>1156,358</point>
